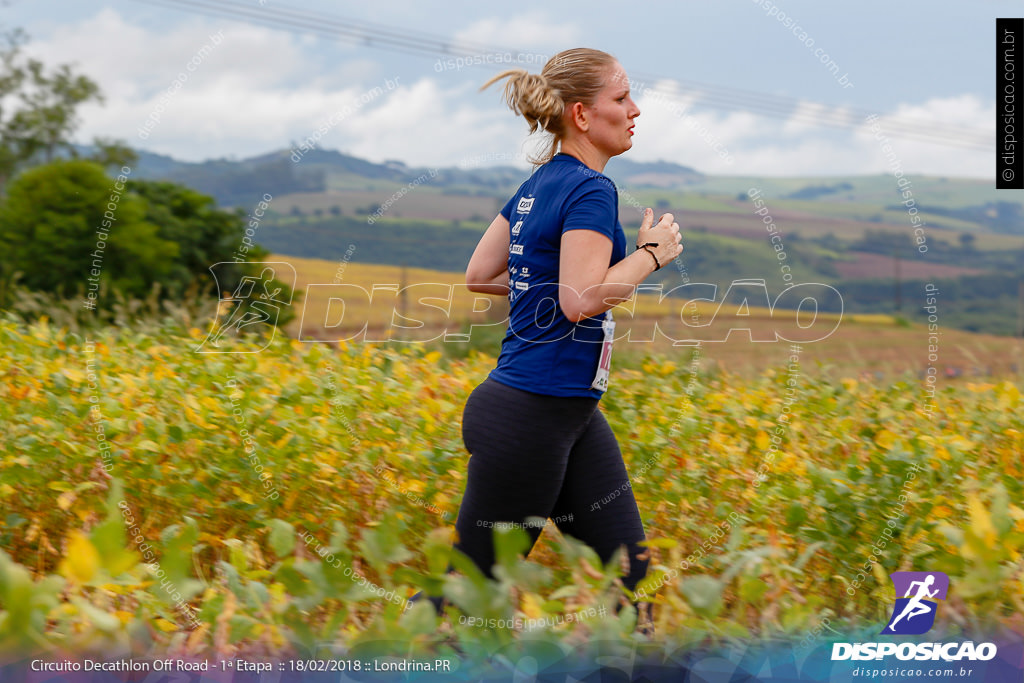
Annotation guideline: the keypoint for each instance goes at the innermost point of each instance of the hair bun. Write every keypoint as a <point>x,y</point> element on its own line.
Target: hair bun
<point>533,97</point>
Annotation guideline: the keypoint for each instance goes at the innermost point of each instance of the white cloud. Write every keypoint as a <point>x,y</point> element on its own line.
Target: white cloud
<point>673,130</point>
<point>530,30</point>
<point>425,125</point>
<point>259,90</point>
<point>965,111</point>
<point>129,60</point>
<point>217,88</point>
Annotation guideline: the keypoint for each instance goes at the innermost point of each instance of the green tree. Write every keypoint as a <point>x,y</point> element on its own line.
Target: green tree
<point>66,226</point>
<point>37,106</point>
<point>67,223</point>
<point>205,235</point>
<point>113,154</point>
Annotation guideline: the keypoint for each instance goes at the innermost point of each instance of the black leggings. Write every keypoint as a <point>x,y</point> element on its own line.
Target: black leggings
<point>548,457</point>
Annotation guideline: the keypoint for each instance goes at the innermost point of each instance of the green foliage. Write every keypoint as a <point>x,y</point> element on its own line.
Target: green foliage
<point>43,116</point>
<point>64,222</point>
<point>68,228</point>
<point>326,566</point>
<point>204,234</point>
<point>112,154</point>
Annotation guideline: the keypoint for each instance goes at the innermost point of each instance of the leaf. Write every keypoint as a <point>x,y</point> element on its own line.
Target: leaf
<point>110,542</point>
<point>532,606</point>
<point>282,537</point>
<point>104,621</point>
<point>294,581</point>
<point>981,522</point>
<point>762,441</point>
<point>339,537</point>
<point>16,595</point>
<point>509,544</point>
<point>569,591</point>
<point>165,626</point>
<point>421,618</point>
<point>752,589</point>
<point>796,514</point>
<point>704,593</point>
<point>437,550</point>
<point>239,563</point>
<point>381,546</point>
<point>176,561</point>
<point>1000,511</point>
<point>74,374</point>
<point>81,560</point>
<point>885,439</point>
<point>807,554</point>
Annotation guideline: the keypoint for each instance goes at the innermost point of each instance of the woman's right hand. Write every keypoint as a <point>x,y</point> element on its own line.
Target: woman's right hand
<point>665,232</point>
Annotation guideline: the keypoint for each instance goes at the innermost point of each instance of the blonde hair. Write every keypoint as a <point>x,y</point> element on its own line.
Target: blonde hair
<point>575,75</point>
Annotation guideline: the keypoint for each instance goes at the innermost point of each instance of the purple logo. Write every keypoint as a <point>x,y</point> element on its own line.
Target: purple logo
<point>916,601</point>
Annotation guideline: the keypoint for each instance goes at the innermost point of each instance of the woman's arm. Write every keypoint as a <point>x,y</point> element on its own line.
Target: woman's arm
<point>591,287</point>
<point>487,271</point>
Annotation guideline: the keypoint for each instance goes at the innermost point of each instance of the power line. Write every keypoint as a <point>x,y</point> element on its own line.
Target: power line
<point>843,117</point>
<point>720,98</point>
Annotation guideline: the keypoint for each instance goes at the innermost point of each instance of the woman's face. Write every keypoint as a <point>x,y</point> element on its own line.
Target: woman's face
<point>612,114</point>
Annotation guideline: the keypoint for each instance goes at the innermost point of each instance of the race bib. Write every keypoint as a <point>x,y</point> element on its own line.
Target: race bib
<point>604,366</point>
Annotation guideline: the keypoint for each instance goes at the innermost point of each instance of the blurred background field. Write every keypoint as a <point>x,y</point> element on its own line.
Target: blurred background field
<point>362,445</point>
<point>854,344</point>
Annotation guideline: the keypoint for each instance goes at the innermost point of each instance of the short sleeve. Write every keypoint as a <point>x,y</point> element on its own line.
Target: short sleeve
<point>506,211</point>
<point>593,205</point>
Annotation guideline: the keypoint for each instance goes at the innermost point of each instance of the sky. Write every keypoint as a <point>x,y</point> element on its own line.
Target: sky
<point>195,84</point>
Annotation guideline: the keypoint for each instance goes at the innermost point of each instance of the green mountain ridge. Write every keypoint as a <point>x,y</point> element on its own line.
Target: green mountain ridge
<point>853,232</point>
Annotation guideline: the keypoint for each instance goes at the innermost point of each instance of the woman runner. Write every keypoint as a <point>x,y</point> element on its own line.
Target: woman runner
<point>539,446</point>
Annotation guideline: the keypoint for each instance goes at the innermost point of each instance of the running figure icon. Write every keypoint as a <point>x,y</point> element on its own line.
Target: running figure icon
<point>256,301</point>
<point>915,606</point>
<point>250,309</point>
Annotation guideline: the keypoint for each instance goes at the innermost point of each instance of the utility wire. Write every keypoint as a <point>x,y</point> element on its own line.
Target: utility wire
<point>675,91</point>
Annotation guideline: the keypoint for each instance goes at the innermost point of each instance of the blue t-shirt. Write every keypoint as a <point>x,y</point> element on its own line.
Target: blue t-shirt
<point>543,351</point>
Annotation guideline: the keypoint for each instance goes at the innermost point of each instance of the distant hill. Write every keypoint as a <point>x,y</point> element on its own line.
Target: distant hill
<point>853,232</point>
<point>660,174</point>
<point>241,182</point>
<point>960,205</point>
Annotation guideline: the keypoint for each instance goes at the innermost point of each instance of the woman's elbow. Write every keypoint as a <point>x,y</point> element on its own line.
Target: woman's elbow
<point>474,280</point>
<point>577,306</point>
<point>574,307</point>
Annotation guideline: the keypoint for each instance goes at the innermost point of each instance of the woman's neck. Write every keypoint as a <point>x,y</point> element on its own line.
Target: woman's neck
<point>585,152</point>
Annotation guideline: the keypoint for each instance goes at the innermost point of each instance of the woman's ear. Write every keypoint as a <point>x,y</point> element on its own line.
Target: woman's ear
<point>579,117</point>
